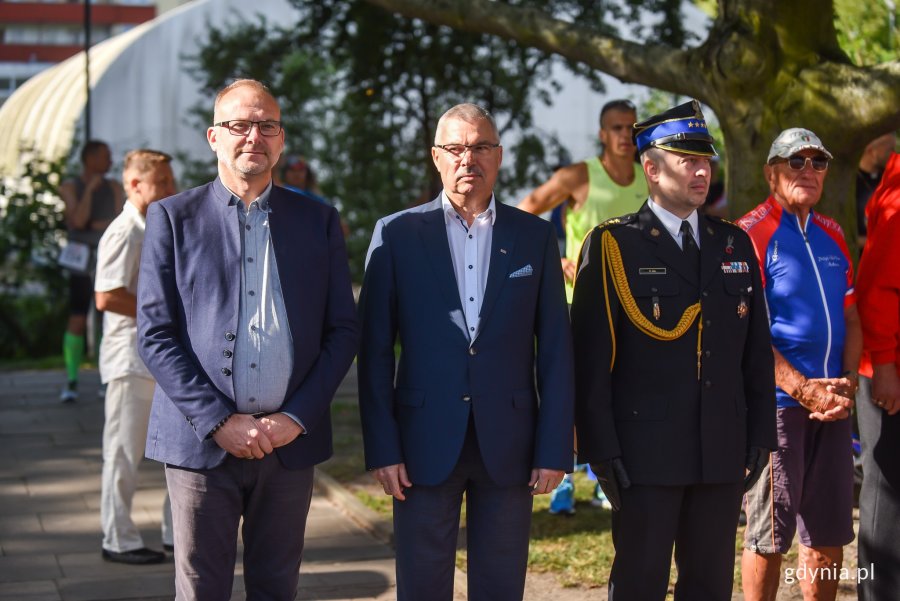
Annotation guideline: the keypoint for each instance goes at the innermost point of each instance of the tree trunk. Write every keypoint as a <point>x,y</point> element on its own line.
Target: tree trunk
<point>766,65</point>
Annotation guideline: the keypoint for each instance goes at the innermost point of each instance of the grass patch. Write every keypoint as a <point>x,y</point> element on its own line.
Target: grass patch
<point>52,362</point>
<point>348,461</point>
<point>348,464</point>
<point>42,363</point>
<point>577,550</point>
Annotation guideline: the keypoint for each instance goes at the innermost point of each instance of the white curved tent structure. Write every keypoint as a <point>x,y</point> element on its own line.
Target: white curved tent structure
<point>141,94</point>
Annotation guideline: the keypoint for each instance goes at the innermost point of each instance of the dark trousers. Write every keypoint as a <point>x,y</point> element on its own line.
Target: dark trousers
<point>207,507</point>
<point>879,499</point>
<point>699,520</point>
<point>426,525</point>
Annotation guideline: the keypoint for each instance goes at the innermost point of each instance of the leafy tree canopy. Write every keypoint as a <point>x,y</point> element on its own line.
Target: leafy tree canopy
<point>763,65</point>
<point>361,90</point>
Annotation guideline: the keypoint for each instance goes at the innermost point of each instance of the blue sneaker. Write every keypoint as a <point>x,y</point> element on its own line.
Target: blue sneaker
<point>562,499</point>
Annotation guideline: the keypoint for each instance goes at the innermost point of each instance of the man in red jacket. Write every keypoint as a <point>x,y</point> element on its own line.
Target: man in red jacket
<point>878,400</point>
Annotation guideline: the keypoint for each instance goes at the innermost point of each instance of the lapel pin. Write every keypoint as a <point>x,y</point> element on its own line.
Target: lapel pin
<point>709,230</point>
<point>654,232</point>
<point>730,247</point>
<point>503,251</point>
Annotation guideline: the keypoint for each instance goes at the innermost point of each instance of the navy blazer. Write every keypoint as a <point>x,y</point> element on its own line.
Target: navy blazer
<point>188,298</point>
<point>419,416</point>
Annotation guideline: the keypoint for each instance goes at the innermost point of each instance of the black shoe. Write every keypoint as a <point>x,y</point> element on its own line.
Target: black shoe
<point>135,557</point>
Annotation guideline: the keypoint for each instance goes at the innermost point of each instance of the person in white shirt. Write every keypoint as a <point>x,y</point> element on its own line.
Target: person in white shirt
<point>147,178</point>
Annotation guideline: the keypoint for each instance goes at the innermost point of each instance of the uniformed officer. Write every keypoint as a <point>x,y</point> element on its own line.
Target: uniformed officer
<point>674,371</point>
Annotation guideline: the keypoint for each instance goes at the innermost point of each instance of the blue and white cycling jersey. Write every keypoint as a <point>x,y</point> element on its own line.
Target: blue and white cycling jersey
<point>808,279</point>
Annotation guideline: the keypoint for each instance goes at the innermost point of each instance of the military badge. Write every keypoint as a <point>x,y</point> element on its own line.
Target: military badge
<point>735,267</point>
<point>743,309</point>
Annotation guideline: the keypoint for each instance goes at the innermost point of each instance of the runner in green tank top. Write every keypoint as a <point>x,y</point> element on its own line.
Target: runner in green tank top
<point>91,203</point>
<point>596,189</point>
<point>605,199</point>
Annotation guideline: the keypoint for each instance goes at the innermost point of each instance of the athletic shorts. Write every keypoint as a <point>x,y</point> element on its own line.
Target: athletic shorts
<point>81,293</point>
<point>807,487</point>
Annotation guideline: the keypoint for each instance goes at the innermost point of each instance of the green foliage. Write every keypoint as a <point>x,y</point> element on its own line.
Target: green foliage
<point>667,25</point>
<point>361,90</point>
<point>868,31</point>
<point>32,298</point>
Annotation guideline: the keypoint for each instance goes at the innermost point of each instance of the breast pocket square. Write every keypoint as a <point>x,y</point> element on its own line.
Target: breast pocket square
<point>522,272</point>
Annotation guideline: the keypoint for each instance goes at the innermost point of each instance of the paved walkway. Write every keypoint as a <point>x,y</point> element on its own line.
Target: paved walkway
<point>50,461</point>
<point>50,524</point>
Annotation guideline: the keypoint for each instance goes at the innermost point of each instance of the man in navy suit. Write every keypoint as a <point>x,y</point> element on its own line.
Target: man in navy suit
<point>473,291</point>
<point>246,320</point>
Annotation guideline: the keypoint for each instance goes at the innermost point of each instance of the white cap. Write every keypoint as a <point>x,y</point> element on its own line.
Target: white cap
<point>793,140</point>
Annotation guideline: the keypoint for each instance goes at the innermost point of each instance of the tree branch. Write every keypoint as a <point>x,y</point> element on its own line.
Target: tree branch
<point>652,65</point>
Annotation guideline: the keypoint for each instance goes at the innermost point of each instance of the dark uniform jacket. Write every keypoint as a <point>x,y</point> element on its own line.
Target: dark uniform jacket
<point>638,394</point>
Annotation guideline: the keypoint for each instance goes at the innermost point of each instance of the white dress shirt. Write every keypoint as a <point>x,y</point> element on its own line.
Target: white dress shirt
<point>470,250</point>
<point>672,222</point>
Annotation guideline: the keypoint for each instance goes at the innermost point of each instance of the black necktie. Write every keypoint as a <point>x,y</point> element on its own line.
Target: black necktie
<point>689,245</point>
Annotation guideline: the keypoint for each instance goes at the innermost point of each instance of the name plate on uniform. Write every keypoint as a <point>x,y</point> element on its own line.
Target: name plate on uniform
<point>652,270</point>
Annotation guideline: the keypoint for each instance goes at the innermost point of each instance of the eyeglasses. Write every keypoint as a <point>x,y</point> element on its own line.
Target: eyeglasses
<point>240,127</point>
<point>798,163</point>
<point>482,149</point>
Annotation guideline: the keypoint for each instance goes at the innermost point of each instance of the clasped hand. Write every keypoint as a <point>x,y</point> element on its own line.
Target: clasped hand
<point>247,437</point>
<point>828,399</point>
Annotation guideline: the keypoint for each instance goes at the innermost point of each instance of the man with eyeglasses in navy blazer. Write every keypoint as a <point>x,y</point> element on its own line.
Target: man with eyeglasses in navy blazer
<point>246,320</point>
<point>473,291</point>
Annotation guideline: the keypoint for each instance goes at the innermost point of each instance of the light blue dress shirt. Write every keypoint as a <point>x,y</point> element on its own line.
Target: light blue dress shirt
<point>470,250</point>
<point>263,348</point>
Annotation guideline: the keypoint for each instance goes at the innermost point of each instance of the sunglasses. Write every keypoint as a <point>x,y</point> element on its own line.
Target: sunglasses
<point>797,162</point>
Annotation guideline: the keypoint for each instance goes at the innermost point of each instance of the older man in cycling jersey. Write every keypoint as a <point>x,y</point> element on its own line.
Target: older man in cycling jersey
<point>808,280</point>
